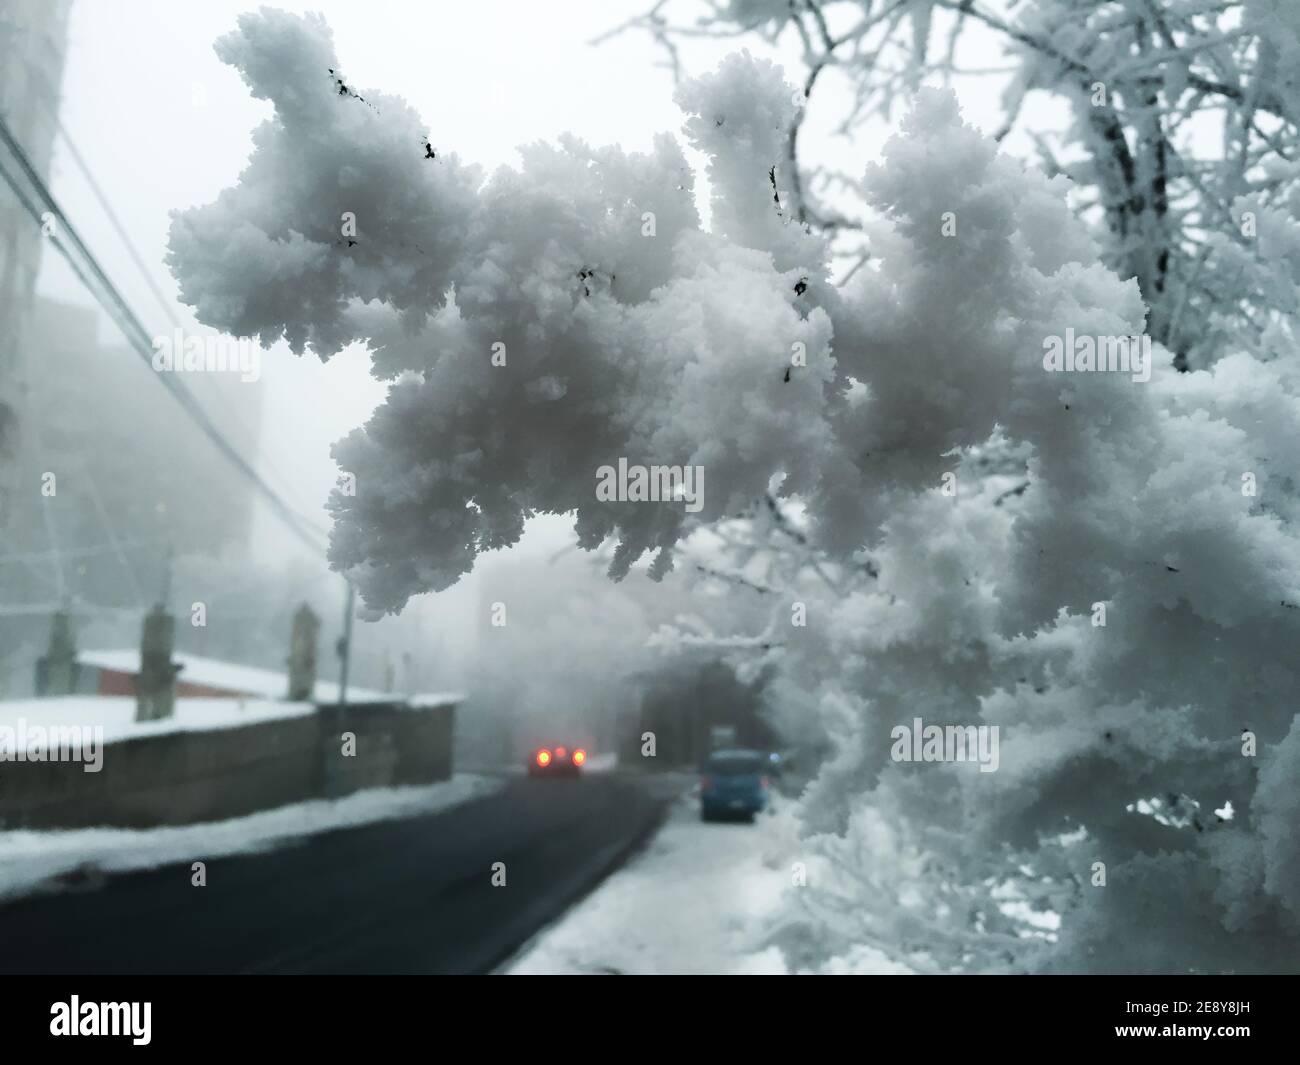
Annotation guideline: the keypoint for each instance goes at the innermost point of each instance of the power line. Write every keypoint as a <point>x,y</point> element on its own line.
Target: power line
<point>83,552</point>
<point>133,252</point>
<point>51,534</point>
<point>71,606</point>
<point>92,275</point>
<point>116,223</point>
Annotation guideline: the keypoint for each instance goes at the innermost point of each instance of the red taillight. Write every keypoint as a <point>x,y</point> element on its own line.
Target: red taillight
<point>579,756</point>
<point>560,752</point>
<point>543,757</point>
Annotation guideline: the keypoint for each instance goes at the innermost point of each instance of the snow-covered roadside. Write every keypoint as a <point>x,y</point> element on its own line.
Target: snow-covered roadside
<point>28,859</point>
<point>694,902</point>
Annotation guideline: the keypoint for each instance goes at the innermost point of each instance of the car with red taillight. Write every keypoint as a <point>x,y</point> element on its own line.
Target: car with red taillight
<point>560,760</point>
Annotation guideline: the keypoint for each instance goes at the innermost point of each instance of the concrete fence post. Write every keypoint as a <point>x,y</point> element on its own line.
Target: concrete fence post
<point>155,684</point>
<point>57,670</point>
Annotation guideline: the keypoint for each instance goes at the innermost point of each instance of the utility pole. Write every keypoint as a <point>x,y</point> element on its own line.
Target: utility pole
<point>155,683</point>
<point>302,655</point>
<point>345,645</point>
<point>168,560</point>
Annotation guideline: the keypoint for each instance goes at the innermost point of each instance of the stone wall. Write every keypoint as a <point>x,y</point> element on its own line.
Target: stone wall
<point>182,777</point>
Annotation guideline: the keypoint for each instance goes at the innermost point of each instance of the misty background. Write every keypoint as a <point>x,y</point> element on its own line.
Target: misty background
<point>127,110</point>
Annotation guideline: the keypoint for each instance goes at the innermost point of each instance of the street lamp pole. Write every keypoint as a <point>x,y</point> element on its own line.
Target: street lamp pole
<point>345,645</point>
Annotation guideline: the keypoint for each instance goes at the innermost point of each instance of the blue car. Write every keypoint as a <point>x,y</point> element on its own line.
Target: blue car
<point>734,784</point>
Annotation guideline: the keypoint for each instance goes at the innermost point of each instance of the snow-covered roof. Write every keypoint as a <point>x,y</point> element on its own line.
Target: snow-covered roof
<point>430,700</point>
<point>115,714</point>
<point>229,676</point>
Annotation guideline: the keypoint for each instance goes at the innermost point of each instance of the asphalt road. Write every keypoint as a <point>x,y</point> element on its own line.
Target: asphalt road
<point>409,896</point>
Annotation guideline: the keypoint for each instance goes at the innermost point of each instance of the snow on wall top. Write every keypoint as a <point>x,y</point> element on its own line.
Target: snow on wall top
<point>230,676</point>
<point>116,715</point>
<point>432,700</point>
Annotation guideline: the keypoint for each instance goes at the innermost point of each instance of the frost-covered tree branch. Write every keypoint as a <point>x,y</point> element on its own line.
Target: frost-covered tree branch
<point>1073,558</point>
<point>1144,82</point>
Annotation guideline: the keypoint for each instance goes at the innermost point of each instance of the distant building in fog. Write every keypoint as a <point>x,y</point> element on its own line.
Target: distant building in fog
<point>101,471</point>
<point>33,39</point>
<point>134,476</point>
<point>696,708</point>
<point>133,469</point>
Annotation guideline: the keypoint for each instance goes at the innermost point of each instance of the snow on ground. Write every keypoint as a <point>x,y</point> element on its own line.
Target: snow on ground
<point>695,902</point>
<point>29,859</point>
